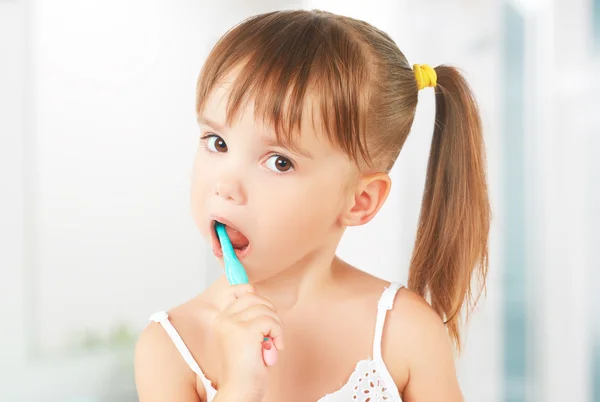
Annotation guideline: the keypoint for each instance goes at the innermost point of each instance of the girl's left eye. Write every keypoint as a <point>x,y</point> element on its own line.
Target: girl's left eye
<point>279,164</point>
<point>214,143</point>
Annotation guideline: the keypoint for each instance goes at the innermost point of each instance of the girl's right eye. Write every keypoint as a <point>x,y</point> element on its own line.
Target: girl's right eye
<point>214,143</point>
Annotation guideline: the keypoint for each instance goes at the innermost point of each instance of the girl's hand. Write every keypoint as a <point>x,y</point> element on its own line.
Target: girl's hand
<point>241,326</point>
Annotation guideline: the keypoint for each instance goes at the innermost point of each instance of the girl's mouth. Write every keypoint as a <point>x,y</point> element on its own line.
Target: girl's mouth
<point>239,241</point>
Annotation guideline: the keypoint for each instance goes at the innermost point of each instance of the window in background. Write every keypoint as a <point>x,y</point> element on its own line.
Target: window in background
<point>596,200</point>
<point>596,372</point>
<point>596,25</point>
<point>594,190</point>
<point>515,330</point>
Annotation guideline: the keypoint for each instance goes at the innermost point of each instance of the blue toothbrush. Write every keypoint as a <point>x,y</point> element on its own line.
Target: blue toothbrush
<point>236,275</point>
<point>234,270</point>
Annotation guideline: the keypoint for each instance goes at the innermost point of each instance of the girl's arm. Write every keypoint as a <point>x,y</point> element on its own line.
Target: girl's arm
<point>160,372</point>
<point>432,375</point>
<point>421,357</point>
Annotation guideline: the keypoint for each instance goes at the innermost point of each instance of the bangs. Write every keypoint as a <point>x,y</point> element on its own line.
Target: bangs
<point>289,63</point>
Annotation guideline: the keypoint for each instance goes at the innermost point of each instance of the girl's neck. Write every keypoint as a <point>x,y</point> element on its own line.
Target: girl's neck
<point>306,282</point>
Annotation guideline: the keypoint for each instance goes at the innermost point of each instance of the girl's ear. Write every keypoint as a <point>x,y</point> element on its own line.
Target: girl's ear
<point>370,192</point>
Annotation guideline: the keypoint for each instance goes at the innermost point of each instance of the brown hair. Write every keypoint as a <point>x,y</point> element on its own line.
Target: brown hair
<point>366,94</point>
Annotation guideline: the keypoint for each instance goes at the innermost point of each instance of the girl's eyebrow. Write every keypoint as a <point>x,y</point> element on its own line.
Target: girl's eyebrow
<point>208,122</point>
<point>292,146</point>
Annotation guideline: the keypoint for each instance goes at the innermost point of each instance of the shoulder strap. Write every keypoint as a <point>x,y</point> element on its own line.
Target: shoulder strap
<point>163,319</point>
<point>386,302</point>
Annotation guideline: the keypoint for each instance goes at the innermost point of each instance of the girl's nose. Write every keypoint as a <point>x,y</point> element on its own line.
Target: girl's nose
<point>231,190</point>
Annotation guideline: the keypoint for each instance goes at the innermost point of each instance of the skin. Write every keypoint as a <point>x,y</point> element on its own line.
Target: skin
<point>294,221</point>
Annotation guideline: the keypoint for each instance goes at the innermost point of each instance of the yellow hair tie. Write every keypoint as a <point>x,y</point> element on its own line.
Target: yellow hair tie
<point>425,75</point>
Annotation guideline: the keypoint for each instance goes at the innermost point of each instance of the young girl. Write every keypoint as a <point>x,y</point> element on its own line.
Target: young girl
<point>302,115</point>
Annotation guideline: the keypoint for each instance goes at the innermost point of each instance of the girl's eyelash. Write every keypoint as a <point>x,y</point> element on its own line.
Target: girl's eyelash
<point>205,137</point>
<point>203,144</point>
<point>208,135</point>
<point>292,163</point>
<point>283,156</point>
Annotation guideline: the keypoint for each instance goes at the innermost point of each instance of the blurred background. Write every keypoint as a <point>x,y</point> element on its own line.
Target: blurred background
<point>97,136</point>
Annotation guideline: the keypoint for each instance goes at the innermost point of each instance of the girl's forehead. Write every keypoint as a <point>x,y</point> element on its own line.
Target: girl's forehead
<point>216,113</point>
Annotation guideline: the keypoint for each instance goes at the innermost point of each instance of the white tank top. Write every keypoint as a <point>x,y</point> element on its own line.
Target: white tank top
<point>370,381</point>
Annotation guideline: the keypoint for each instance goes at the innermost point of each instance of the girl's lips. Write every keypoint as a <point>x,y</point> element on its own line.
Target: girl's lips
<point>240,253</point>
<point>216,243</point>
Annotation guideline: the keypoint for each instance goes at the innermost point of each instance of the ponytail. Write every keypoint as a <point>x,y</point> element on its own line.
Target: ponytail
<point>452,236</point>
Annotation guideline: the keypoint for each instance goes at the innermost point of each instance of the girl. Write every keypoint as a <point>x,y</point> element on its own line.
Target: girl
<point>302,115</point>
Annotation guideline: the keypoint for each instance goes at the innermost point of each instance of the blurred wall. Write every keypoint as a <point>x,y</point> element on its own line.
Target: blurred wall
<point>97,136</point>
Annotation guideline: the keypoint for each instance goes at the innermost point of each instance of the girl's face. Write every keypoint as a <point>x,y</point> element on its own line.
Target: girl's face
<point>286,202</point>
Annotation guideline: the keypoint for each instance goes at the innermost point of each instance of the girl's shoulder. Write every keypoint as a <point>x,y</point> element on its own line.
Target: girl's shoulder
<point>414,339</point>
<point>159,367</point>
<point>410,312</point>
<point>416,346</point>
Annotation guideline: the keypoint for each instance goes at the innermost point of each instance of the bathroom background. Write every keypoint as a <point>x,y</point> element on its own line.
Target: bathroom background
<point>97,136</point>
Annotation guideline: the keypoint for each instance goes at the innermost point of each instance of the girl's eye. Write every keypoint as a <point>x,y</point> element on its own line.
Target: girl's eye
<point>279,164</point>
<point>214,143</point>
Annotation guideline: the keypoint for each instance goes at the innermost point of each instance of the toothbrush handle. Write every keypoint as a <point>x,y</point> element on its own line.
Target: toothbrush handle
<point>269,352</point>
<point>236,275</point>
